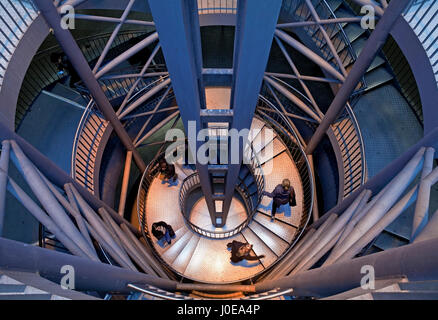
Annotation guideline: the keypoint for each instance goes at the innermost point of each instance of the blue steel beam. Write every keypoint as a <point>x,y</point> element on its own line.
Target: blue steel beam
<point>177,23</point>
<point>256,22</point>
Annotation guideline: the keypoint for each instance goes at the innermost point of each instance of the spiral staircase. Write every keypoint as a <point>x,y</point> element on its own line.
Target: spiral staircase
<point>196,237</point>
<point>103,213</point>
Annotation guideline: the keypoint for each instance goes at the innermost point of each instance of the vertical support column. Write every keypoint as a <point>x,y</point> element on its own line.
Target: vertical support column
<point>256,22</point>
<point>125,182</point>
<point>369,52</point>
<point>177,23</point>
<point>81,66</point>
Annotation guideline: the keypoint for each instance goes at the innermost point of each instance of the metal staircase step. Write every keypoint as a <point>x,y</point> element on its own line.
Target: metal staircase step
<point>277,217</point>
<point>262,139</point>
<point>282,230</point>
<point>353,31</point>
<point>178,235</point>
<point>358,45</point>
<point>259,247</point>
<point>200,217</point>
<point>182,261</point>
<point>272,158</point>
<point>377,77</point>
<point>257,124</point>
<point>334,4</point>
<point>270,151</point>
<point>172,253</point>
<point>277,244</point>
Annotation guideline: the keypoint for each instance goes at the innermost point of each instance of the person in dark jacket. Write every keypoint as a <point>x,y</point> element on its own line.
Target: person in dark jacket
<point>240,251</point>
<point>282,194</point>
<point>64,65</point>
<point>168,170</point>
<point>162,230</point>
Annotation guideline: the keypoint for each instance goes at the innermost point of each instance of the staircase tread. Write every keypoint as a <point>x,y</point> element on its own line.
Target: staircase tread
<point>277,244</point>
<point>377,77</point>
<point>282,230</point>
<point>176,247</point>
<point>183,259</point>
<point>217,267</point>
<point>274,148</point>
<point>353,31</point>
<point>260,247</point>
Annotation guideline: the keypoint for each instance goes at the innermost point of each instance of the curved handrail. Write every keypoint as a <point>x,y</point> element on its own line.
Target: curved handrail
<point>167,295</point>
<point>146,180</point>
<point>86,142</point>
<point>192,181</point>
<point>350,141</point>
<point>42,72</point>
<point>295,150</point>
<point>301,12</point>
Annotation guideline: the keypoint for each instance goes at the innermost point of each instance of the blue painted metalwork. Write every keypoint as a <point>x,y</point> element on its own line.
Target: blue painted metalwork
<point>256,22</point>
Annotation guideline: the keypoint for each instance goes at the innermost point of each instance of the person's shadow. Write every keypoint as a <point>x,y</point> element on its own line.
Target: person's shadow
<point>284,209</point>
<point>245,263</point>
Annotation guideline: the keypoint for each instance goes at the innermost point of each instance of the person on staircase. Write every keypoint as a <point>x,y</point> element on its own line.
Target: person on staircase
<point>241,251</point>
<point>282,194</point>
<point>64,65</point>
<point>167,170</point>
<point>162,230</point>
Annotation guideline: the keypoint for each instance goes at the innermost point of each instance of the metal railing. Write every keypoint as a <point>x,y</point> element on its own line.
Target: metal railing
<point>351,145</point>
<point>167,295</point>
<point>217,6</point>
<point>149,175</point>
<point>42,72</point>
<point>192,181</point>
<point>348,135</point>
<point>15,17</point>
<point>86,144</point>
<point>270,114</point>
<point>91,129</point>
<point>299,11</point>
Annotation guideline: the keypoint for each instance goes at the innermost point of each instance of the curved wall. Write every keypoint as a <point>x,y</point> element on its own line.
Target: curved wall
<point>17,67</point>
<point>420,65</point>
